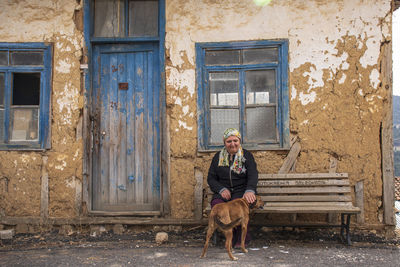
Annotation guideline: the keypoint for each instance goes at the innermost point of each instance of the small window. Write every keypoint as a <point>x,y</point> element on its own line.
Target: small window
<point>243,85</point>
<point>24,96</point>
<point>3,58</point>
<point>125,18</point>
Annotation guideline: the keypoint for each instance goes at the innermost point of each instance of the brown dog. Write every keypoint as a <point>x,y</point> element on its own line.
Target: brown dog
<point>226,216</point>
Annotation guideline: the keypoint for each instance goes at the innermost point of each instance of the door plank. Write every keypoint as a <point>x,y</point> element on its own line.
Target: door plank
<point>122,177</point>
<point>104,126</point>
<point>131,147</point>
<point>113,130</point>
<point>139,127</point>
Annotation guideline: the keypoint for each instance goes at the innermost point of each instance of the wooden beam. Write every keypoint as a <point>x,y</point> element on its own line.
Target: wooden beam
<point>359,191</point>
<point>333,165</point>
<point>291,158</point>
<point>97,221</point>
<point>332,217</point>
<point>387,136</point>
<point>44,193</point>
<point>198,194</point>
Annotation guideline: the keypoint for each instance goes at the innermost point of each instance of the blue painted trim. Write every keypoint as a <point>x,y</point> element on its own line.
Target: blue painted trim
<point>7,103</point>
<point>282,117</point>
<point>102,40</point>
<point>45,71</point>
<point>26,46</point>
<point>242,100</point>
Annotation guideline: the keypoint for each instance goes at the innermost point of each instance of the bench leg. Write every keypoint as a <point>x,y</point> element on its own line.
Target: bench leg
<point>345,226</point>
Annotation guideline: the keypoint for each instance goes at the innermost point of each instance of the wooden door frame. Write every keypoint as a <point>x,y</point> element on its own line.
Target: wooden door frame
<point>87,122</point>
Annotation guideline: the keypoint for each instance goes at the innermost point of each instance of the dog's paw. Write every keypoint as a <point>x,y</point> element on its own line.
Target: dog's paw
<point>234,259</point>
<point>245,250</point>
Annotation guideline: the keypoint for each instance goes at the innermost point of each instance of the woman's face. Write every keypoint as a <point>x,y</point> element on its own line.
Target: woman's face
<point>232,144</point>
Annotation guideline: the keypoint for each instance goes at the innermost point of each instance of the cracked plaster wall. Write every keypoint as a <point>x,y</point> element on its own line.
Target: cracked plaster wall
<point>51,22</point>
<point>334,83</point>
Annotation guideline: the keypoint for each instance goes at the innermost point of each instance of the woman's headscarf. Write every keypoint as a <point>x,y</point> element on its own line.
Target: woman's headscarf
<point>238,161</point>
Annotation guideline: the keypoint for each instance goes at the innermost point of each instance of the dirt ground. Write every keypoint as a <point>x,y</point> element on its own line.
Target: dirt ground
<point>267,248</point>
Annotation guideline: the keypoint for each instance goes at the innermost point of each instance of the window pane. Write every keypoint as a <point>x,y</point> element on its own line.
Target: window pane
<point>224,89</point>
<point>26,89</point>
<point>1,125</point>
<point>259,56</point>
<point>260,87</point>
<point>2,86</point>
<point>26,58</point>
<point>3,58</point>
<point>228,57</point>
<point>261,124</point>
<point>221,119</point>
<point>109,18</point>
<point>143,18</point>
<point>24,124</point>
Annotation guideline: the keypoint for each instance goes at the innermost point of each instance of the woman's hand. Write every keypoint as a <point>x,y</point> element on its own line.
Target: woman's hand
<point>226,194</point>
<point>250,197</point>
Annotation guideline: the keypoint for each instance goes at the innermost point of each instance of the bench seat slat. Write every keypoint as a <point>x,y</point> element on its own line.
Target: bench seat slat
<point>319,209</point>
<point>303,190</point>
<point>320,198</point>
<point>302,175</point>
<point>303,182</point>
<point>307,204</point>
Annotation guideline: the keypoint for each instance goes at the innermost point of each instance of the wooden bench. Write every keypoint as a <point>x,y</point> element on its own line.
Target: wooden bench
<point>294,193</point>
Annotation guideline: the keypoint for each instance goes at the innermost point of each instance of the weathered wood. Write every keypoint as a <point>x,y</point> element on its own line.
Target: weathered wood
<point>293,140</point>
<point>303,190</point>
<point>333,165</point>
<point>294,198</point>
<point>122,148</point>
<point>332,169</point>
<point>291,158</point>
<point>127,153</point>
<point>44,193</point>
<point>308,182</point>
<point>387,136</point>
<point>198,194</point>
<point>319,209</point>
<point>262,176</point>
<point>97,220</point>
<point>88,144</point>
<point>306,204</point>
<point>78,196</point>
<point>359,192</point>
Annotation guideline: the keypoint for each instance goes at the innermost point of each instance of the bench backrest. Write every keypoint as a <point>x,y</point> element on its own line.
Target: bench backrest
<point>305,192</point>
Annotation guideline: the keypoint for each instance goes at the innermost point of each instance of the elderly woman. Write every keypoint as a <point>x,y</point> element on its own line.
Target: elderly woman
<point>233,174</point>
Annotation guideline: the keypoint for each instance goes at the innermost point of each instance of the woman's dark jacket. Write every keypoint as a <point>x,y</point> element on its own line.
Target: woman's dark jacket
<point>218,177</point>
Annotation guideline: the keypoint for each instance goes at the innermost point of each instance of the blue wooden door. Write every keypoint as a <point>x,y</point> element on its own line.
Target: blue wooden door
<point>126,152</point>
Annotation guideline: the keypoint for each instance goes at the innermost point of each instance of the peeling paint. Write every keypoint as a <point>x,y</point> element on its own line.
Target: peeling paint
<point>184,125</point>
<point>307,98</point>
<point>63,66</point>
<point>374,78</point>
<point>182,79</point>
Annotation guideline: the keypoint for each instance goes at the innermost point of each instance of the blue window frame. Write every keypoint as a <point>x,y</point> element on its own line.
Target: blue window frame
<point>25,75</point>
<point>243,85</point>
